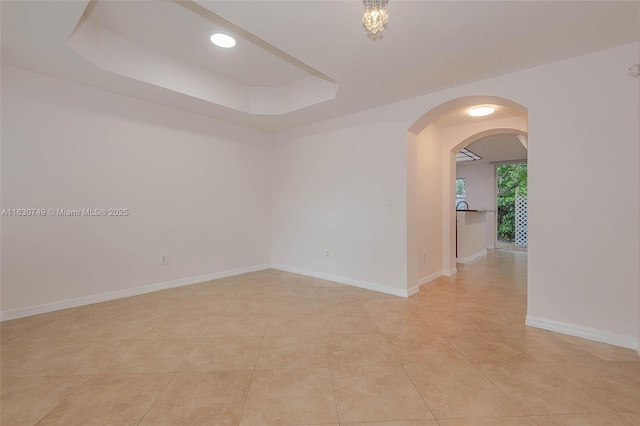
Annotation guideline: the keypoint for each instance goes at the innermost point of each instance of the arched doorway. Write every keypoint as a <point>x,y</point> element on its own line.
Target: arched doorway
<point>432,143</point>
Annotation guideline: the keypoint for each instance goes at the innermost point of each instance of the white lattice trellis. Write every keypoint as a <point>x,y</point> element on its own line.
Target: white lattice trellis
<point>521,221</point>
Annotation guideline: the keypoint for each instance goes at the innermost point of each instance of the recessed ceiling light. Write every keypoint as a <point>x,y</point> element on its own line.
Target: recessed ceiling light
<point>481,111</point>
<point>223,40</point>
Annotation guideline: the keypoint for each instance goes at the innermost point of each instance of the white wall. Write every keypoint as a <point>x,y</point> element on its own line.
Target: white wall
<point>330,190</point>
<point>429,219</point>
<point>583,259</point>
<point>480,186</point>
<point>583,248</point>
<point>197,190</point>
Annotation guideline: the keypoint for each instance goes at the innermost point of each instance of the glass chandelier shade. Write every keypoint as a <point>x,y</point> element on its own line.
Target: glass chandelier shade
<point>375,15</point>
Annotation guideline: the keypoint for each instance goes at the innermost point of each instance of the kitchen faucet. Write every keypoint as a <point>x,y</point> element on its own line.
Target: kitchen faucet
<point>465,204</point>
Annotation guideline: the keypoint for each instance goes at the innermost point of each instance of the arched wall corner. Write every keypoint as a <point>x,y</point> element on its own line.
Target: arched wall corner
<point>463,102</point>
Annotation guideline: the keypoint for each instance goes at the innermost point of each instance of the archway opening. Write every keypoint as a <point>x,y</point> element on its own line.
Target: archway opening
<point>432,144</point>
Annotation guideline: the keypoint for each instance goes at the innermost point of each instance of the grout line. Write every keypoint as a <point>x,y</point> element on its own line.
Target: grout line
<point>89,377</point>
<point>156,398</point>
<point>420,394</point>
<point>253,372</point>
<point>333,391</point>
<point>324,337</point>
<point>503,392</point>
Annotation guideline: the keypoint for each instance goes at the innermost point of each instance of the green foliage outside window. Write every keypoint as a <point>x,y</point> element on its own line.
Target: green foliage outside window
<point>512,181</point>
<point>460,189</point>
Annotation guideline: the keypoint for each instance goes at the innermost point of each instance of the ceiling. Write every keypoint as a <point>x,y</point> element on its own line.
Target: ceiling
<point>299,62</point>
<point>497,148</point>
<point>460,116</point>
<point>188,40</point>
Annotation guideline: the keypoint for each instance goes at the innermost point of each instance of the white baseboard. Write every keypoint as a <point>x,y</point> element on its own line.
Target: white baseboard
<point>584,332</point>
<point>344,280</point>
<point>427,279</point>
<point>472,257</point>
<point>449,272</point>
<point>413,290</point>
<point>119,294</point>
<point>422,281</point>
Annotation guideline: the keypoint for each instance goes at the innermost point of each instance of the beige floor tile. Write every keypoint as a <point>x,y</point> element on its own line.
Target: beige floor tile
<point>224,353</point>
<point>197,305</point>
<point>290,396</point>
<point>475,317</point>
<point>293,305</point>
<point>547,346</point>
<point>26,358</point>
<point>62,330</point>
<point>451,322</point>
<point>152,356</point>
<point>50,359</point>
<point>348,323</point>
<point>601,350</point>
<point>401,323</point>
<point>286,324</point>
<point>376,393</point>
<point>182,327</point>
<point>505,322</point>
<point>460,391</point>
<point>424,349</point>
<point>538,390</point>
<point>13,330</point>
<point>491,421</point>
<point>341,305</point>
<point>302,292</point>
<point>396,305</point>
<point>396,423</point>
<point>581,420</point>
<point>118,329</point>
<point>25,400</point>
<point>293,351</point>
<point>257,292</point>
<point>237,324</point>
<point>213,398</point>
<point>632,418</point>
<point>359,349</point>
<point>343,291</point>
<point>430,302</point>
<point>109,400</point>
<point>245,307</point>
<point>488,347</point>
<point>614,384</point>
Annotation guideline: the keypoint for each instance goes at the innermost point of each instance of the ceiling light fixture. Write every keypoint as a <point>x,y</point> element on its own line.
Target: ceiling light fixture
<point>375,15</point>
<point>481,111</point>
<point>223,40</point>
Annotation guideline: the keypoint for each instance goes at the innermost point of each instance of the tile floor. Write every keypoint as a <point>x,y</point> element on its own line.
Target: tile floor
<point>273,348</point>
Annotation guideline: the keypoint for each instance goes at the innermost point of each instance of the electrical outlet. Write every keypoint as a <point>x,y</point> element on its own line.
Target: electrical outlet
<point>389,204</point>
<point>327,253</point>
<point>164,260</point>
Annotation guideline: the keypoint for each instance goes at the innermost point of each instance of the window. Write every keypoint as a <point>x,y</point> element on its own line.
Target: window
<point>460,188</point>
